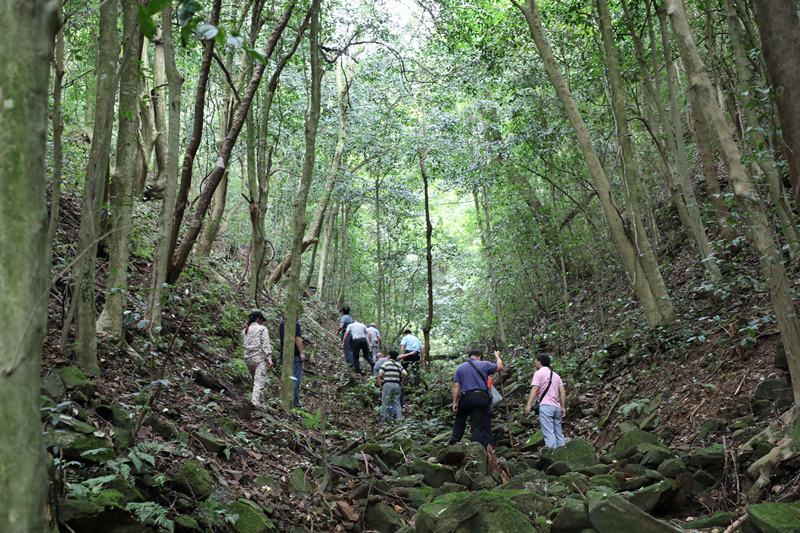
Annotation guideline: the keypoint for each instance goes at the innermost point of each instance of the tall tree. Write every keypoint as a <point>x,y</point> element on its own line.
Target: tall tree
<point>123,178</point>
<point>83,305</point>
<point>215,176</point>
<point>746,195</point>
<point>647,281</point>
<point>299,221</point>
<point>166,72</point>
<point>779,27</point>
<point>25,46</point>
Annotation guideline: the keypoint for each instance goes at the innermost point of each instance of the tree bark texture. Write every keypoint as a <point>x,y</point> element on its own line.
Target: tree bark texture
<point>759,228</point>
<point>26,47</point>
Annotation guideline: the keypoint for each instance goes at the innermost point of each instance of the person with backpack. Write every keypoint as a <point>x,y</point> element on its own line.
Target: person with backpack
<point>391,378</point>
<point>257,354</point>
<point>551,410</point>
<point>471,396</point>
<point>345,321</point>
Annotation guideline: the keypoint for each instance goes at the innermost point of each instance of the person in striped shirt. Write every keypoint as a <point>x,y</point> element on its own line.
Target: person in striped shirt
<point>391,379</point>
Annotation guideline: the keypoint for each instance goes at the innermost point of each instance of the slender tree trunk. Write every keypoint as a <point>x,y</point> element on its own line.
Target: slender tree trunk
<point>83,305</point>
<point>122,181</point>
<point>759,228</point>
<point>259,188</point>
<point>697,230</point>
<point>58,151</point>
<point>214,177</point>
<point>26,45</point>
<point>379,295</point>
<point>722,214</point>
<point>343,256</point>
<point>330,221</point>
<point>657,305</point>
<point>170,171</point>
<point>300,221</point>
<point>754,141</point>
<point>312,235</point>
<point>779,27</point>
<point>182,200</point>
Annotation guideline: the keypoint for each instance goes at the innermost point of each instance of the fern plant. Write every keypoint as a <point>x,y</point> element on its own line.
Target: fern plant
<point>151,514</point>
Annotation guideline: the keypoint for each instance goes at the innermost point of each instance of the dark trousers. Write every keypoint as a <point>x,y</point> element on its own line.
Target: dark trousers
<point>348,350</point>
<point>487,428</point>
<point>472,405</point>
<point>360,346</point>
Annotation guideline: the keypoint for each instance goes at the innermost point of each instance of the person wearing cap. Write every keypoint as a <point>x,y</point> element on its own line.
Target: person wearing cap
<point>471,396</point>
<point>299,355</point>
<point>257,354</point>
<point>376,340</point>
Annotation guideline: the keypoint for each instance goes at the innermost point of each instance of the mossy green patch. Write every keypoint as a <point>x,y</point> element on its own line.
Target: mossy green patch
<point>111,498</point>
<point>251,518</point>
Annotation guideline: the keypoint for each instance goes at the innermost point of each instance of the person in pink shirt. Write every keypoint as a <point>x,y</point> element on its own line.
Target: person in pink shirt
<point>551,410</point>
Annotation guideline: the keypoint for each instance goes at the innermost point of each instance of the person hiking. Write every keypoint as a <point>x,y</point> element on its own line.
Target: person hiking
<point>257,354</point>
<point>391,378</point>
<point>345,321</point>
<point>471,396</point>
<point>551,410</point>
<point>375,334</point>
<point>360,340</point>
<point>299,355</point>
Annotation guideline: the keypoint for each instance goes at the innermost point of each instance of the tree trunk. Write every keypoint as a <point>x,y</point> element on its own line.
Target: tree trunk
<point>754,140</point>
<point>83,305</point>
<point>330,220</point>
<point>182,200</point>
<point>648,285</point>
<point>214,177</point>
<point>58,151</point>
<point>312,235</point>
<point>170,172</point>
<point>343,257</point>
<point>746,196</point>
<point>379,292</point>
<point>26,45</point>
<point>779,27</point>
<point>122,181</point>
<point>300,221</point>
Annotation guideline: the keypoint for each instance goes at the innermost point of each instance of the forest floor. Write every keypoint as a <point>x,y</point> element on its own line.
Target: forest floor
<point>705,368</point>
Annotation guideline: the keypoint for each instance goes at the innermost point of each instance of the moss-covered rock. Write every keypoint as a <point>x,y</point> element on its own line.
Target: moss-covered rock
<point>186,524</point>
<point>383,519</point>
<point>531,480</point>
<point>419,495</point>
<point>111,498</point>
<point>572,517</point>
<point>576,454</point>
<point>534,442</point>
<point>773,517</point>
<point>131,493</point>
<point>605,480</point>
<point>528,503</point>
<point>251,518</point>
<point>434,475</point>
<point>193,479</point>
<point>710,459</point>
<point>720,519</point>
<point>79,447</point>
<point>650,497</point>
<point>611,514</point>
<point>347,463</point>
<point>68,379</point>
<point>626,445</point>
<point>487,512</point>
<point>672,468</point>
<point>69,510</point>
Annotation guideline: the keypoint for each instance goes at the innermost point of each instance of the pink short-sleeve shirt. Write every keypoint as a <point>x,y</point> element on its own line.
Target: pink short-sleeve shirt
<point>541,378</point>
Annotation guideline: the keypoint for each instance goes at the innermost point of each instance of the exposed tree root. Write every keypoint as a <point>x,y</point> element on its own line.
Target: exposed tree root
<point>779,435</point>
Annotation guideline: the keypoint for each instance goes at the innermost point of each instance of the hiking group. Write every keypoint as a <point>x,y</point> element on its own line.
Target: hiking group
<point>472,382</point>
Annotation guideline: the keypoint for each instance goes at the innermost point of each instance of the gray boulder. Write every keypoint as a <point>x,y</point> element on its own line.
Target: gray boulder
<point>611,514</point>
<point>626,445</point>
<point>383,518</point>
<point>434,475</point>
<point>487,512</point>
<point>772,518</point>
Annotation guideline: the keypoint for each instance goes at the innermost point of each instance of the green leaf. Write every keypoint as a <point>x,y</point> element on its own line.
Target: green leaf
<point>187,11</point>
<point>156,6</point>
<point>146,23</point>
<point>206,31</point>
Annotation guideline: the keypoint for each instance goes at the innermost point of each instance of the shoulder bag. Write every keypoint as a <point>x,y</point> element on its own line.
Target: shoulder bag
<point>535,407</point>
<point>494,396</point>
